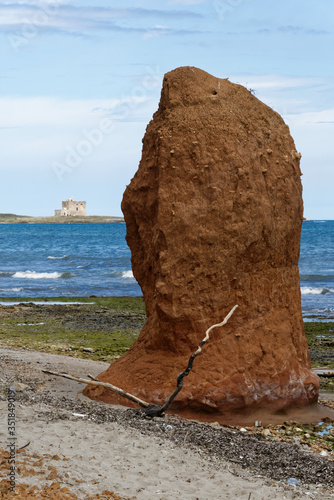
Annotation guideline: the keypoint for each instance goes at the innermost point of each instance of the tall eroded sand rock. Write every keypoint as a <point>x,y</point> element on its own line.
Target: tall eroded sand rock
<point>213,219</point>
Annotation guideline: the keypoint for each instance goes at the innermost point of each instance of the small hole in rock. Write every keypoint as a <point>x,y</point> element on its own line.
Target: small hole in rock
<point>214,92</point>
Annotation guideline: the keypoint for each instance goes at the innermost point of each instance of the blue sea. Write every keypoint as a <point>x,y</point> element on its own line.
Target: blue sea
<point>80,260</point>
<point>316,268</point>
<point>53,260</point>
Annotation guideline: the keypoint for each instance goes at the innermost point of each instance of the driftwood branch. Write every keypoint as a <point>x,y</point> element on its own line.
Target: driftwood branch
<point>151,410</point>
<point>323,373</point>
<point>106,385</point>
<point>157,411</point>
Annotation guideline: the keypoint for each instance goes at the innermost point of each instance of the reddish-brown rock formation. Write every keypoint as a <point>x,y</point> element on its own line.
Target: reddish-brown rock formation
<point>213,218</point>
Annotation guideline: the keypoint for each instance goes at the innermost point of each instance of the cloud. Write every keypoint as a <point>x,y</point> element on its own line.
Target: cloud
<point>277,82</point>
<point>290,95</point>
<point>45,111</point>
<point>54,112</point>
<point>313,118</point>
<point>292,30</point>
<point>298,30</point>
<point>17,16</point>
<point>164,30</point>
<point>187,2</point>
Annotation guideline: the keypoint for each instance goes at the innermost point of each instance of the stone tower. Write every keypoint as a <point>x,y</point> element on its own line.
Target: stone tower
<point>71,207</point>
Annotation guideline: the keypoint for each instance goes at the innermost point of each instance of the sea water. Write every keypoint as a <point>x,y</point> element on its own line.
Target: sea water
<point>316,268</point>
<point>52,260</point>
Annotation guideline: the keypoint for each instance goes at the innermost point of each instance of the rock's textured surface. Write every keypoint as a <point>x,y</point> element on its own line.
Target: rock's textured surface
<point>213,218</point>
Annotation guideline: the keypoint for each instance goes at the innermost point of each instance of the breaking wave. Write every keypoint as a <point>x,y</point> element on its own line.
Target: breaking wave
<point>33,275</point>
<point>11,289</point>
<point>308,290</point>
<point>57,258</point>
<point>127,274</point>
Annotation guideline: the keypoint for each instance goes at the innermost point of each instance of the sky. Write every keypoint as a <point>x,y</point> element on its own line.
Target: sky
<point>80,80</point>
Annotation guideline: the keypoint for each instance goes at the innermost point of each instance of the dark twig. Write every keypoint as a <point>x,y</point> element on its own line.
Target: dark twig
<point>151,409</point>
<point>157,411</point>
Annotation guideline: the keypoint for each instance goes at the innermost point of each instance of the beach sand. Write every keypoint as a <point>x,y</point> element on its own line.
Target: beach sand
<point>80,448</point>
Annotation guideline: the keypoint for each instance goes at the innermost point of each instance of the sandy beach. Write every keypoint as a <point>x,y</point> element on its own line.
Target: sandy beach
<point>84,449</point>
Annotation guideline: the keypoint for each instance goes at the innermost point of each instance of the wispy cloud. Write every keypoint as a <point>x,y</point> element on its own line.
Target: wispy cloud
<point>165,30</point>
<point>274,82</point>
<point>315,118</point>
<point>299,30</point>
<point>72,19</point>
<point>55,112</point>
<point>43,111</point>
<point>187,2</point>
<point>293,30</point>
<point>290,95</point>
<point>278,82</point>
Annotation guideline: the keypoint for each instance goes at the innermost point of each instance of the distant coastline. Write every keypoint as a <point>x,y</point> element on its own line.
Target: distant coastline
<point>25,219</point>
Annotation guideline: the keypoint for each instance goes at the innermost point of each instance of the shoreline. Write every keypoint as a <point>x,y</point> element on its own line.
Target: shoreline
<point>64,320</point>
<point>102,447</point>
<point>89,219</point>
<point>88,447</point>
<point>104,328</point>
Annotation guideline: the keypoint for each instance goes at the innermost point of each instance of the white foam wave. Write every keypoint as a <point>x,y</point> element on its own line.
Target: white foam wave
<point>33,275</point>
<point>57,258</point>
<point>127,274</point>
<point>308,290</point>
<point>11,289</point>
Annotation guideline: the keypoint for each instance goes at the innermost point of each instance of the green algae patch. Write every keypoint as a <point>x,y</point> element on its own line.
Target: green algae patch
<point>103,330</point>
<point>320,339</point>
<point>315,332</point>
<point>117,303</point>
